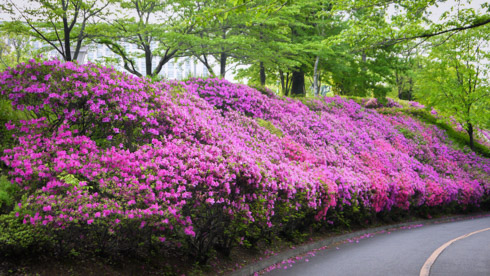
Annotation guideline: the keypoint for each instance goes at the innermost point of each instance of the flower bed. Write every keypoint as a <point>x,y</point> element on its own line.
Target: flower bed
<point>115,163</point>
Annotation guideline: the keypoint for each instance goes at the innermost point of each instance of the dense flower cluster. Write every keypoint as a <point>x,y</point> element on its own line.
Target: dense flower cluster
<point>106,149</point>
<point>383,160</point>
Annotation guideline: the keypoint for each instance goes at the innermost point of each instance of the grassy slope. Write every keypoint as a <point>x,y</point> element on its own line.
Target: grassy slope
<point>460,139</point>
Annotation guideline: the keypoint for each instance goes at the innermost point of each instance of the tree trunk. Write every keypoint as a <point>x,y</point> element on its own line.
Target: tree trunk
<point>410,89</point>
<point>281,77</point>
<point>222,64</point>
<point>148,59</point>
<point>67,47</point>
<point>169,54</point>
<point>316,88</point>
<point>204,60</point>
<point>79,41</point>
<point>298,83</point>
<point>288,84</point>
<point>399,84</point>
<point>262,74</point>
<point>18,54</point>
<point>470,134</point>
<point>222,58</point>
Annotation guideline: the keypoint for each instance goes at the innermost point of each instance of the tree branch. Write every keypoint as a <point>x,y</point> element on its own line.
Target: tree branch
<point>428,35</point>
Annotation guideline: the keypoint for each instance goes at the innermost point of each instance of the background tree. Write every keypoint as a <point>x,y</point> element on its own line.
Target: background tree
<point>362,70</point>
<point>455,79</point>
<point>14,49</point>
<point>216,41</point>
<point>63,24</point>
<point>356,47</point>
<point>290,42</point>
<point>270,53</point>
<point>156,27</point>
<point>406,64</point>
<point>410,19</point>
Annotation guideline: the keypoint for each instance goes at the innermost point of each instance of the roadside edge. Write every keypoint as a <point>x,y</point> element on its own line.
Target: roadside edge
<point>252,268</point>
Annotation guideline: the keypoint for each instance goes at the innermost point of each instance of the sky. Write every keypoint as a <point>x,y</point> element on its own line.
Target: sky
<point>437,11</point>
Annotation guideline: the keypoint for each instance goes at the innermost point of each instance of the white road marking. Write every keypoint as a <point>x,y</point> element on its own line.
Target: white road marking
<point>425,270</point>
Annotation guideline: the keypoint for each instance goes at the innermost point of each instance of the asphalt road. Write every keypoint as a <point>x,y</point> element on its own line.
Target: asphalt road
<point>402,252</point>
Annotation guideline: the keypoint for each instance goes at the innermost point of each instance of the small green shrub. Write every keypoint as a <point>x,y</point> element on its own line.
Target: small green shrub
<point>8,192</point>
<point>17,238</point>
<point>356,99</point>
<point>6,114</point>
<point>270,127</point>
<point>407,133</point>
<point>264,90</point>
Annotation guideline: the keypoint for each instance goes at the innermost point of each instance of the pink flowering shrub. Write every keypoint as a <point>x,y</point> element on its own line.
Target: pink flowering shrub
<point>416,105</point>
<point>374,103</point>
<point>339,132</point>
<point>115,161</point>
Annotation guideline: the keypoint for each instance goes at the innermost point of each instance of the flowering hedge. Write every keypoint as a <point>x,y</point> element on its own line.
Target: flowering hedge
<point>209,164</point>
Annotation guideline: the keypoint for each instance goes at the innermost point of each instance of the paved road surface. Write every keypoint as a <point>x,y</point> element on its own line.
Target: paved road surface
<point>404,252</point>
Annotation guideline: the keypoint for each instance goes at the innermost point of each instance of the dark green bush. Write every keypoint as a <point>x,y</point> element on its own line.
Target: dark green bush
<point>7,114</point>
<point>18,239</point>
<point>8,194</point>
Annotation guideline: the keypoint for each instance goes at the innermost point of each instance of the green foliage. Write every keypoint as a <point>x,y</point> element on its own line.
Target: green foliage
<point>63,25</point>
<point>356,99</point>
<point>407,133</point>
<point>7,114</point>
<point>8,194</point>
<point>350,216</point>
<point>14,49</point>
<point>455,79</point>
<point>17,238</point>
<point>139,26</point>
<point>270,127</point>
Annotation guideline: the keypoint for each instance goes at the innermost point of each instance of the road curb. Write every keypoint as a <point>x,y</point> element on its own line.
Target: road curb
<point>302,249</point>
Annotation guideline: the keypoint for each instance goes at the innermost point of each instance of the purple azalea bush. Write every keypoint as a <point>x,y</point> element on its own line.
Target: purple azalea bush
<point>188,164</point>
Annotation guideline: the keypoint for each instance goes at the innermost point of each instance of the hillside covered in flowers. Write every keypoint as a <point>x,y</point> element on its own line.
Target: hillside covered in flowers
<point>108,162</point>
